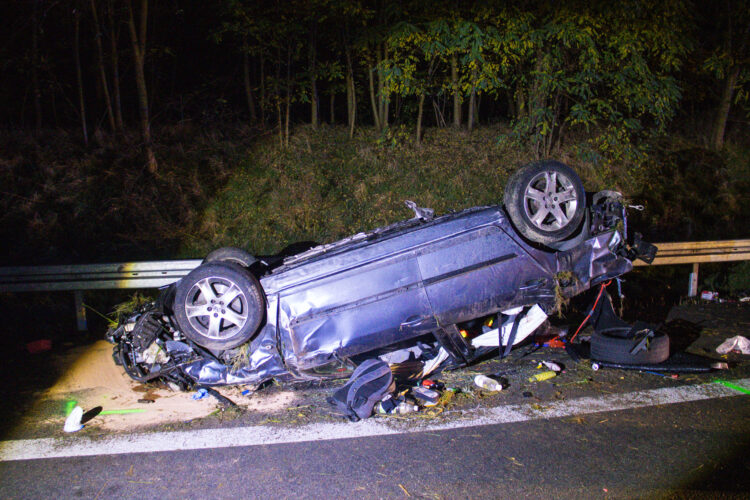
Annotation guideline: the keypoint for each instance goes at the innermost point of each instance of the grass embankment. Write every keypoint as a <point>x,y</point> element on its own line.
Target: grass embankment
<point>325,186</point>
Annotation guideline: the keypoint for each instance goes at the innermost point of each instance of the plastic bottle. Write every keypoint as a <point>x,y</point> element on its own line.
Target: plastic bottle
<point>404,408</point>
<point>487,383</point>
<point>542,376</point>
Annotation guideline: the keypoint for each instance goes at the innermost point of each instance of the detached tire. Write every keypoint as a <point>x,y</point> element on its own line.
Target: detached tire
<point>617,349</point>
<point>230,254</point>
<point>545,201</point>
<point>219,305</point>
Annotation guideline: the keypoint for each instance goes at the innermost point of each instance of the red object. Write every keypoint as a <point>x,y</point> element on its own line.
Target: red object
<point>556,343</point>
<point>601,290</point>
<point>39,346</point>
<point>428,383</point>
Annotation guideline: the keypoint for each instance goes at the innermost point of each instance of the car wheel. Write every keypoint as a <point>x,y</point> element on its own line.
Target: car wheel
<point>545,201</point>
<point>230,254</point>
<point>219,305</point>
<point>617,349</point>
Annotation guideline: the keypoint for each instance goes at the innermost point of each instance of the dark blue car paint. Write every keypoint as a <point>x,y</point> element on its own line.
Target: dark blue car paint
<point>392,284</point>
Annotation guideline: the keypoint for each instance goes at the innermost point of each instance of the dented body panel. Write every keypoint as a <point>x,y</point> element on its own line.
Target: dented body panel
<point>416,277</point>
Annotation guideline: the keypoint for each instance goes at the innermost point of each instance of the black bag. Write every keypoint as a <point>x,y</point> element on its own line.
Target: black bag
<point>367,385</point>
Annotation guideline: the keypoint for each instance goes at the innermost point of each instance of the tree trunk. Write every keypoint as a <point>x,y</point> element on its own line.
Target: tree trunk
<point>722,112</point>
<point>277,96</point>
<point>35,69</point>
<point>100,63</point>
<point>139,53</point>
<point>419,117</point>
<point>79,77</point>
<point>262,91</point>
<point>472,101</point>
<point>113,37</point>
<point>288,93</point>
<point>456,92</point>
<point>333,107</point>
<point>314,119</point>
<point>351,96</point>
<point>375,113</point>
<point>248,88</point>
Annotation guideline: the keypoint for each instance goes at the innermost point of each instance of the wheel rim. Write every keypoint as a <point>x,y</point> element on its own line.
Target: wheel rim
<point>550,201</point>
<point>216,307</point>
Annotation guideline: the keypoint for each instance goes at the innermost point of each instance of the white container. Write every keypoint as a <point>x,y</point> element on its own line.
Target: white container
<point>487,383</point>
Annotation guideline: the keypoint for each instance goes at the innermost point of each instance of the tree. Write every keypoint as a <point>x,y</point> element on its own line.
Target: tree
<point>727,62</point>
<point>100,63</point>
<point>609,69</point>
<point>79,76</point>
<point>138,42</point>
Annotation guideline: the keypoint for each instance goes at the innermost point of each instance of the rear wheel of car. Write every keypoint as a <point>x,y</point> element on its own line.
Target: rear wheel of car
<point>617,349</point>
<point>545,201</point>
<point>231,254</point>
<point>219,305</point>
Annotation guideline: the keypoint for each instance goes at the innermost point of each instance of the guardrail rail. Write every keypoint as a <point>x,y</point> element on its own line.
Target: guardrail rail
<point>155,274</point>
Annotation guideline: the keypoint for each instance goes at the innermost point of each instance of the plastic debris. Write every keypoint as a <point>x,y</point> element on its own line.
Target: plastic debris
<point>200,393</point>
<point>530,322</point>
<point>542,376</point>
<point>433,364</point>
<point>485,382</point>
<point>73,422</point>
<point>709,295</point>
<point>551,366</point>
<point>395,406</point>
<point>427,397</point>
<point>735,344</point>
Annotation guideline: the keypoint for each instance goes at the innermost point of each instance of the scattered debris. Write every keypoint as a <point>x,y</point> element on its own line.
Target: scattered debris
<point>369,383</point>
<point>738,344</point>
<point>667,375</point>
<point>709,295</point>
<point>200,393</point>
<point>545,375</point>
<point>73,422</point>
<point>501,336</point>
<point>487,383</point>
<point>550,366</point>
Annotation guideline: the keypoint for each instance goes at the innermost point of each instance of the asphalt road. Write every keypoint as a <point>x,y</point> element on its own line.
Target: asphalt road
<point>685,450</point>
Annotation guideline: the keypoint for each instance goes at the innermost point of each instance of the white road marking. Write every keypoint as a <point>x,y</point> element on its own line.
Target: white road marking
<point>78,446</point>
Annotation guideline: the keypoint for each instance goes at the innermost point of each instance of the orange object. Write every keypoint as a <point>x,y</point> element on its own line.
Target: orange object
<point>556,343</point>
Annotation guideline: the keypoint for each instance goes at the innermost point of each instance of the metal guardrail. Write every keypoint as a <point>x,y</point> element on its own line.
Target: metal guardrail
<point>154,274</point>
<point>700,252</point>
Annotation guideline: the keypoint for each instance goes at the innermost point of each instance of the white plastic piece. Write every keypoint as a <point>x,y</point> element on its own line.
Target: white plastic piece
<point>552,366</point>
<point>530,322</point>
<point>432,364</point>
<point>73,422</point>
<point>738,343</point>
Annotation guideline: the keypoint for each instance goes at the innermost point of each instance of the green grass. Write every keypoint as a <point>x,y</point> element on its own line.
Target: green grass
<point>325,186</point>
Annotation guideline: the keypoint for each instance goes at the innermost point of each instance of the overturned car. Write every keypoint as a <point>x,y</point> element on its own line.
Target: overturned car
<point>236,319</point>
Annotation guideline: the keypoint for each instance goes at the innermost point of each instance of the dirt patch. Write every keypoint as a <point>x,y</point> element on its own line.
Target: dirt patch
<point>91,379</point>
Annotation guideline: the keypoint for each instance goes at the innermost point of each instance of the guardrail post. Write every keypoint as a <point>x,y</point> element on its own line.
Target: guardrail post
<point>693,287</point>
<point>80,311</point>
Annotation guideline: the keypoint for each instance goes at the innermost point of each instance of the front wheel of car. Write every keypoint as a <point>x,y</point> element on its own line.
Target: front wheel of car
<point>219,305</point>
<point>545,201</point>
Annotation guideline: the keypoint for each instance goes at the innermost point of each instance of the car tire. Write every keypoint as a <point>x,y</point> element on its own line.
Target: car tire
<point>219,305</point>
<point>617,349</point>
<point>231,254</point>
<point>545,201</point>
